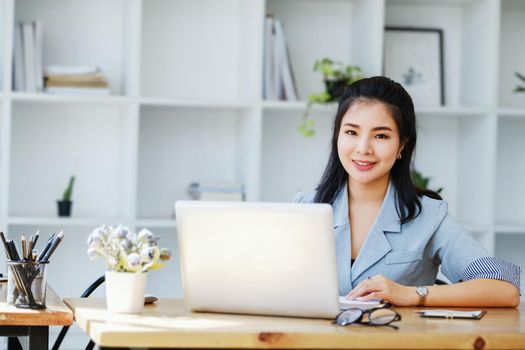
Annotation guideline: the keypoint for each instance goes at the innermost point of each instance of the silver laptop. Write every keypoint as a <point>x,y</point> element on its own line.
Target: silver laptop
<point>258,258</point>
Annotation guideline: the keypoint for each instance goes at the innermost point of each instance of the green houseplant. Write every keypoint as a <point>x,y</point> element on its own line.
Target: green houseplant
<point>421,181</point>
<point>520,88</point>
<point>336,77</point>
<point>65,204</point>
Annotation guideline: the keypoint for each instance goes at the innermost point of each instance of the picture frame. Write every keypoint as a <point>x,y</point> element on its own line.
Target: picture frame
<point>414,58</point>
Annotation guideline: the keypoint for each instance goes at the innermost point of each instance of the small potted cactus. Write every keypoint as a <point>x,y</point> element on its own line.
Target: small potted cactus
<point>64,205</point>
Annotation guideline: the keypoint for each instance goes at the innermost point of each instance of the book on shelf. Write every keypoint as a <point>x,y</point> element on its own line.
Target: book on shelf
<point>71,70</point>
<point>268,57</point>
<point>77,91</point>
<point>216,191</point>
<point>39,55</point>
<point>89,80</point>
<point>278,78</point>
<point>28,57</point>
<point>18,59</point>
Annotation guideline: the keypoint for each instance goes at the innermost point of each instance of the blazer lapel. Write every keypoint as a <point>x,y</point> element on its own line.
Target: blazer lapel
<point>376,245</point>
<point>342,239</point>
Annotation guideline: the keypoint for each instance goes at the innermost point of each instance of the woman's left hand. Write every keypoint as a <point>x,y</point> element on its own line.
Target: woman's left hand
<point>380,287</point>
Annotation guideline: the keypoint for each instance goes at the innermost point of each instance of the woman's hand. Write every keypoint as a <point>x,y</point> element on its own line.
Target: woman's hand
<point>380,287</point>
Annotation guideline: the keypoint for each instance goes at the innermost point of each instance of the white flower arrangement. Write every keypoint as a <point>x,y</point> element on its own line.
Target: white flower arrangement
<point>126,251</point>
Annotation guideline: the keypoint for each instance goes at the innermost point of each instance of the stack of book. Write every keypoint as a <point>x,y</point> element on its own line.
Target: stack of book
<point>278,82</point>
<point>76,80</point>
<point>28,57</point>
<point>216,191</point>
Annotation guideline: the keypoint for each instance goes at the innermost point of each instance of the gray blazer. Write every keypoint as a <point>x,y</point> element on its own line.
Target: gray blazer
<point>409,254</point>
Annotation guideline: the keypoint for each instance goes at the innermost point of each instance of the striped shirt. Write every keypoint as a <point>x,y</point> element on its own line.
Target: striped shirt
<point>493,268</point>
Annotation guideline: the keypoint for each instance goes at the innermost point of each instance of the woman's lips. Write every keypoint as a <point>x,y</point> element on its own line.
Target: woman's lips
<point>362,165</point>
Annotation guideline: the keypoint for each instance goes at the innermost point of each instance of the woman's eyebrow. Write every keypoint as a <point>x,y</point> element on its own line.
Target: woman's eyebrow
<point>377,128</point>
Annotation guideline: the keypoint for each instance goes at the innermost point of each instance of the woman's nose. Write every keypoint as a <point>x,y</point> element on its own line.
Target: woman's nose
<point>363,146</point>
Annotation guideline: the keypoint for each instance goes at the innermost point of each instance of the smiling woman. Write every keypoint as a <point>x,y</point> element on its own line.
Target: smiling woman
<point>391,236</point>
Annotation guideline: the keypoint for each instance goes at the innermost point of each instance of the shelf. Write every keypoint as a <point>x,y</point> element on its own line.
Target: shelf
<point>514,229</point>
<point>55,98</point>
<point>194,103</point>
<point>56,221</point>
<point>511,112</point>
<point>156,223</point>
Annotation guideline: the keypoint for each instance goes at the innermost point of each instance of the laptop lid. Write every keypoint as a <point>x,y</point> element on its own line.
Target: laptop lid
<point>258,258</point>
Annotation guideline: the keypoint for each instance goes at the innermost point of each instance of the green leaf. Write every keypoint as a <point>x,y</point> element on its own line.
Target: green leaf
<point>520,76</point>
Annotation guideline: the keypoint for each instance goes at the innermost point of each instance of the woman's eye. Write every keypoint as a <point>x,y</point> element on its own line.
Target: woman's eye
<point>381,136</point>
<point>350,132</point>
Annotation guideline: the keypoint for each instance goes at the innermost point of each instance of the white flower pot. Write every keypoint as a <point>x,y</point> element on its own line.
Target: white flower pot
<point>125,291</point>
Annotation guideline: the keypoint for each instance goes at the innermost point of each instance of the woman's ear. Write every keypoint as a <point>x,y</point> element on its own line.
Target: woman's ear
<point>401,147</point>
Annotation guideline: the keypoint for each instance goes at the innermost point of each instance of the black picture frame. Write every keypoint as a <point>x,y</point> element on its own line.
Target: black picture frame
<point>413,56</point>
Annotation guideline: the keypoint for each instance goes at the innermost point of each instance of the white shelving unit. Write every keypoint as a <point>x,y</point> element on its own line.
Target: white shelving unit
<point>186,105</point>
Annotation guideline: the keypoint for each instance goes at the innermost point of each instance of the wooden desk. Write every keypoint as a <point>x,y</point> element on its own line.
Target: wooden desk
<point>30,328</point>
<point>167,324</point>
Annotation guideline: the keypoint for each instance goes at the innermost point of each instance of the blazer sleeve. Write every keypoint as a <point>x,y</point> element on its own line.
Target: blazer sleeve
<point>462,258</point>
<point>302,197</point>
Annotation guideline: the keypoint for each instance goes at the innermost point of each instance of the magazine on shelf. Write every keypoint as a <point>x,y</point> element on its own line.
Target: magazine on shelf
<point>216,191</point>
<point>39,55</point>
<point>28,57</point>
<point>18,62</point>
<point>278,78</point>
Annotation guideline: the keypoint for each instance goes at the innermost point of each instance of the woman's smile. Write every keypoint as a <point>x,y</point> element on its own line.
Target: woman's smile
<point>363,165</point>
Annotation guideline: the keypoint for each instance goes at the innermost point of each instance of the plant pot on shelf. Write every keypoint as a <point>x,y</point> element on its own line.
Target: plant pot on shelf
<point>64,208</point>
<point>336,88</point>
<point>125,291</point>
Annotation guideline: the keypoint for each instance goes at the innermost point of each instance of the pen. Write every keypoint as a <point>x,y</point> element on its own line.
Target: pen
<point>46,247</point>
<point>14,251</point>
<point>54,245</point>
<point>36,238</point>
<point>6,246</point>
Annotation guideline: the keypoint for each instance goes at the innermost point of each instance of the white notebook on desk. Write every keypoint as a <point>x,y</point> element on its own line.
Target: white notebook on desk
<point>345,303</point>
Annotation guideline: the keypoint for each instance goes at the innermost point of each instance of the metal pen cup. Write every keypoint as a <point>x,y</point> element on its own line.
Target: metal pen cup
<point>26,284</point>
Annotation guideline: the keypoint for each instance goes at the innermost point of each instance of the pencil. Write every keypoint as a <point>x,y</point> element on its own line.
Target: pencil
<point>24,247</point>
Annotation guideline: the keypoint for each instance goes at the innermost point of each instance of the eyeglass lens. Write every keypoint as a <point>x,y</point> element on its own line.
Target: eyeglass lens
<point>377,317</point>
<point>349,316</point>
<point>382,316</point>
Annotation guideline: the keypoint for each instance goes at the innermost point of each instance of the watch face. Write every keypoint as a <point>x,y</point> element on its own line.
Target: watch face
<point>422,291</point>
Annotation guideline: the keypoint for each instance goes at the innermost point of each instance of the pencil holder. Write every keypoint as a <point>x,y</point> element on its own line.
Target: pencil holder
<point>26,284</point>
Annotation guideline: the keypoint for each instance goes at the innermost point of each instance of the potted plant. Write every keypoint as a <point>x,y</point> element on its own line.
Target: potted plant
<point>520,88</point>
<point>64,205</point>
<point>421,181</point>
<point>336,76</point>
<point>129,257</point>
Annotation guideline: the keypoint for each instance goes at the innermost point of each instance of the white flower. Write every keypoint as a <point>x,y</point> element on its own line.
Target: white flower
<point>125,250</point>
<point>93,254</point>
<point>150,253</point>
<point>145,236</point>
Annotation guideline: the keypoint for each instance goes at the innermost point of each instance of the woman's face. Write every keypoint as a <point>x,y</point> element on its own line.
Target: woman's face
<point>368,143</point>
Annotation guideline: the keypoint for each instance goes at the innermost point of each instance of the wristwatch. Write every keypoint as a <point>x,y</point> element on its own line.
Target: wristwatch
<point>422,292</point>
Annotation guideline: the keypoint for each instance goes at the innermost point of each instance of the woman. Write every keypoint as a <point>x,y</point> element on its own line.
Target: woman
<point>392,237</point>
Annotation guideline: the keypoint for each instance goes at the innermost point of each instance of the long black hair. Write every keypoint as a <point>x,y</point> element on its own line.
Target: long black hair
<point>398,101</point>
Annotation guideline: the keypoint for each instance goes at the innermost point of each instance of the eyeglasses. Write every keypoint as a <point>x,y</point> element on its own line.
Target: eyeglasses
<point>380,316</point>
